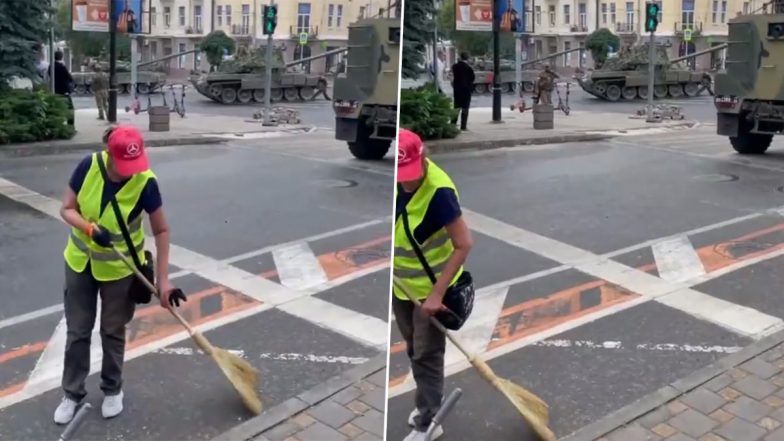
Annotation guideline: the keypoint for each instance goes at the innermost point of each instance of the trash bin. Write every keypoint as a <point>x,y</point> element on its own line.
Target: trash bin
<point>159,118</point>
<point>543,116</point>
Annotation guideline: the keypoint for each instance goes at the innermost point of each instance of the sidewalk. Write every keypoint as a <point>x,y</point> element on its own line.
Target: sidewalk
<point>349,407</point>
<point>517,129</point>
<point>194,128</point>
<point>740,398</point>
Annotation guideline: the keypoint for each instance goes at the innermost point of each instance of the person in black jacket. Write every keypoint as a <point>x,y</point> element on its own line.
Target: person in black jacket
<point>463,86</point>
<point>63,82</point>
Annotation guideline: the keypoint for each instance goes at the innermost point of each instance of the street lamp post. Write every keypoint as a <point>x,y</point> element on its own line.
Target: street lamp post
<point>112,111</point>
<point>496,63</point>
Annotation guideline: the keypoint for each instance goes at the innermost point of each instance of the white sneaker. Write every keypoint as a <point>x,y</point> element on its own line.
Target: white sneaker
<point>112,405</point>
<point>416,435</point>
<point>65,411</point>
<point>414,414</point>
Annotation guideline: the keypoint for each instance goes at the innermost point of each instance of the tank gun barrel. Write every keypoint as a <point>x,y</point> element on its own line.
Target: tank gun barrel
<point>316,57</point>
<point>557,54</point>
<point>698,53</point>
<point>167,57</point>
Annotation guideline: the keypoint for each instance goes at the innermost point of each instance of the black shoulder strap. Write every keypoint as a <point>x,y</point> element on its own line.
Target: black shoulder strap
<point>118,214</point>
<point>416,248</point>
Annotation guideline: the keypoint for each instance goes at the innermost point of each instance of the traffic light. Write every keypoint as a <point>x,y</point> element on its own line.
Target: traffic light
<point>270,19</point>
<point>651,16</point>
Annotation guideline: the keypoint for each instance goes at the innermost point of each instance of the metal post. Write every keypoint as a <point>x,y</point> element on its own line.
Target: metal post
<point>518,60</point>
<point>496,63</point>
<point>435,48</point>
<point>651,57</point>
<point>268,81</point>
<point>134,62</point>
<point>112,113</point>
<point>51,51</point>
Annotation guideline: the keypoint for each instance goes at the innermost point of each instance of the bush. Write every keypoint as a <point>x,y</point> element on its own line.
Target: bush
<point>427,112</point>
<point>30,116</point>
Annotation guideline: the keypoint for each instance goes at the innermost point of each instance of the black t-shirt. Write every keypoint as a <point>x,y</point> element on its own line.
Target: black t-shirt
<point>443,209</point>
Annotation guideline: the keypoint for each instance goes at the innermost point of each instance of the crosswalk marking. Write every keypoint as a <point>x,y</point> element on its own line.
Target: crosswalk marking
<point>298,268</point>
<point>676,259</point>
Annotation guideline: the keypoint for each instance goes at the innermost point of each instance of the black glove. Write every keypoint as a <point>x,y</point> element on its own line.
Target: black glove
<point>101,236</point>
<point>175,297</point>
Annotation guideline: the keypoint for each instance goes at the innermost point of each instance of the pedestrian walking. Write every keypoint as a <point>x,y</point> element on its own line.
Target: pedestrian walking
<point>462,86</point>
<point>63,83</point>
<point>100,87</point>
<point>103,203</point>
<point>432,242</point>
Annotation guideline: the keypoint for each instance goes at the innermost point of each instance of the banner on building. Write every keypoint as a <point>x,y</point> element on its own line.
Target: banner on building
<point>93,16</point>
<point>477,15</point>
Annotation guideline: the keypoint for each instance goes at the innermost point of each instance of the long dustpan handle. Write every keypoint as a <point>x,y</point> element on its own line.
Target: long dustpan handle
<point>151,287</point>
<point>433,320</point>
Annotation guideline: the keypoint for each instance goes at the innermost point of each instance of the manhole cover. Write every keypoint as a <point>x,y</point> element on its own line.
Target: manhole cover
<point>780,189</point>
<point>717,177</point>
<point>337,183</point>
<point>359,257</point>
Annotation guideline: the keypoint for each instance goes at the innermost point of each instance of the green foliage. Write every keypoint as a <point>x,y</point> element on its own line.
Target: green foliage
<point>87,44</point>
<point>30,116</point>
<point>23,25</point>
<point>214,46</point>
<point>417,34</point>
<point>473,42</point>
<point>599,43</point>
<point>427,112</point>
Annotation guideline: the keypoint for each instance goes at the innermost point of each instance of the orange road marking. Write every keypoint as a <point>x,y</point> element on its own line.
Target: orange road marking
<point>343,262</point>
<point>14,388</point>
<point>22,351</point>
<point>718,256</point>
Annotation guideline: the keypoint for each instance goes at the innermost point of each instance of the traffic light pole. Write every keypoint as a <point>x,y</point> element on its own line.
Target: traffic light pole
<point>268,71</point>
<point>651,59</point>
<point>111,114</point>
<point>496,63</point>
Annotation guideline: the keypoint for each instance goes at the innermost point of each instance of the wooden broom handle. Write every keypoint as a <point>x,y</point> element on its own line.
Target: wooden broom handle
<point>151,287</point>
<point>433,320</point>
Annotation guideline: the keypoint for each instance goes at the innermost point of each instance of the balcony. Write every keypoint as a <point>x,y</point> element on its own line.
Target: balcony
<point>193,30</point>
<point>240,30</point>
<point>312,32</point>
<point>578,28</point>
<point>624,28</point>
<point>696,28</point>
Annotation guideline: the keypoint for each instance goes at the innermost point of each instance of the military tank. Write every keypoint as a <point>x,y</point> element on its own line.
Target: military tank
<point>483,73</point>
<point>147,79</point>
<point>243,79</point>
<point>749,95</point>
<point>365,95</point>
<point>626,76</point>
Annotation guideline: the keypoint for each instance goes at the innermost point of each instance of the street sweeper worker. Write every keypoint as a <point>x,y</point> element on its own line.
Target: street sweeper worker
<point>103,204</point>
<point>432,242</point>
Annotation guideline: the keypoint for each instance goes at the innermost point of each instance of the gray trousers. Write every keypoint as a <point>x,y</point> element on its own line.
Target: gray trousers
<point>426,346</point>
<point>81,304</point>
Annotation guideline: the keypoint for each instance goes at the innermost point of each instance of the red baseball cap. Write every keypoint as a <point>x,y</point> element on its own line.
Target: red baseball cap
<point>409,156</point>
<point>126,148</point>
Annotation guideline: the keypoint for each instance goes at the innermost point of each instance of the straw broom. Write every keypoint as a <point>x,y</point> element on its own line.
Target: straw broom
<point>531,407</point>
<point>240,373</point>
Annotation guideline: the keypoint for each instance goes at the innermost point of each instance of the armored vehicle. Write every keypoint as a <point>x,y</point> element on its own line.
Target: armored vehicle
<point>749,95</point>
<point>483,71</point>
<point>626,76</point>
<point>365,95</point>
<point>147,79</point>
<point>243,80</point>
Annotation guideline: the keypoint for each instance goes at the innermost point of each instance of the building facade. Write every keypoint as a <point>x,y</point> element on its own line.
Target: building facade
<point>179,26</point>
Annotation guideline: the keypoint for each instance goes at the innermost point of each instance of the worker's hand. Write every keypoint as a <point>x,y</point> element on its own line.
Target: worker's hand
<point>169,296</point>
<point>100,235</point>
<point>433,304</point>
<point>174,297</point>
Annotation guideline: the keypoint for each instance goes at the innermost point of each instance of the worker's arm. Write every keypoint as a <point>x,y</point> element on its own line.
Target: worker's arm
<point>462,242</point>
<point>160,230</point>
<point>69,211</point>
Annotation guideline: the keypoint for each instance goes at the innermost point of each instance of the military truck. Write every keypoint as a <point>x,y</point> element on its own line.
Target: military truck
<point>749,94</point>
<point>365,95</point>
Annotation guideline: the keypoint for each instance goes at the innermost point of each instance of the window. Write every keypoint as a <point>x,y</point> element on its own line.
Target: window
<point>196,60</point>
<point>687,15</point>
<point>538,13</point>
<point>660,15</point>
<point>303,18</point>
<point>180,61</point>
<point>724,11</point>
<point>153,49</point>
<point>153,14</point>
<point>167,16</point>
<point>568,56</point>
<point>551,12</point>
<point>228,15</point>
<point>361,12</point>
<point>340,15</point>
<point>330,15</point>
<point>245,20</point>
<point>219,14</point>
<point>181,15</point>
<point>745,7</point>
<point>567,18</point>
<point>629,16</point>
<point>197,18</point>
<point>604,13</point>
<point>612,13</point>
<point>583,16</point>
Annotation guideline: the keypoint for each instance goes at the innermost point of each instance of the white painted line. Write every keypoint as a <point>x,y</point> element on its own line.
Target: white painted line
<point>347,322</point>
<point>192,351</point>
<point>298,268</point>
<point>643,346</point>
<point>342,280</point>
<point>478,330</point>
<point>676,259</point>
<point>11,321</point>
<point>329,359</point>
<point>734,267</point>
<point>26,196</point>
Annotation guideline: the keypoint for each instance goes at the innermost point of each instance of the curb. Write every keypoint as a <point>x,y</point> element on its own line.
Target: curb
<point>287,409</point>
<point>54,148</point>
<point>627,414</point>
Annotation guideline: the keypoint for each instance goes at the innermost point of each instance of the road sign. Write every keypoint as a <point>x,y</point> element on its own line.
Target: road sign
<point>303,38</point>
<point>687,35</point>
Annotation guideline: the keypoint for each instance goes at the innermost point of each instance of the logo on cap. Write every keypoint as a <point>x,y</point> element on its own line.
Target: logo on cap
<point>132,150</point>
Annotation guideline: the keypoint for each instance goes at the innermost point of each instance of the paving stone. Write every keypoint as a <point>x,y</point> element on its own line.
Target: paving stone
<point>773,401</point>
<point>712,437</point>
<point>704,400</point>
<point>654,417</point>
<point>282,431</point>
<point>729,394</point>
<point>693,423</point>
<point>719,383</point>
<point>366,386</point>
<point>321,432</point>
<point>768,424</point>
<point>754,387</point>
<point>681,437</point>
<point>722,416</point>
<point>664,430</point>
<point>303,420</point>
<point>738,374</point>
<point>760,368</point>
<point>368,437</point>
<point>347,395</point>
<point>372,421</point>
<point>351,431</point>
<point>776,436</point>
<point>748,409</point>
<point>358,407</point>
<point>778,380</point>
<point>675,407</point>
<point>332,414</point>
<point>375,398</point>
<point>740,430</point>
<point>778,414</point>
<point>379,378</point>
<point>773,354</point>
<point>633,433</point>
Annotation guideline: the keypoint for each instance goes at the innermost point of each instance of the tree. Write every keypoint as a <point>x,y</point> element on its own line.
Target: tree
<point>215,45</point>
<point>87,44</point>
<point>23,27</point>
<point>417,34</point>
<point>599,43</point>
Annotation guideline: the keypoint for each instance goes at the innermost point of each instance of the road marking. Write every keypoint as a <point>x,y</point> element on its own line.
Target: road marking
<point>298,268</point>
<point>192,351</point>
<point>676,259</point>
<point>329,359</point>
<point>11,321</point>
<point>643,346</point>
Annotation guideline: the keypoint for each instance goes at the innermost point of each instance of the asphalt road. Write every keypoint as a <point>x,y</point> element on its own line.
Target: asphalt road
<point>605,271</point>
<point>282,247</point>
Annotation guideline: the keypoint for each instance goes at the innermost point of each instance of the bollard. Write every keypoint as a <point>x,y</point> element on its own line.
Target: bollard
<point>159,118</point>
<point>543,116</point>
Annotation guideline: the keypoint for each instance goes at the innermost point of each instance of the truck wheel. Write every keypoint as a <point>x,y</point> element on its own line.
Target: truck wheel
<point>370,149</point>
<point>528,86</point>
<point>750,143</point>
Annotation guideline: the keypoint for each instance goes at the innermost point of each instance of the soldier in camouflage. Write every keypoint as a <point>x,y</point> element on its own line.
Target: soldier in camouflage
<point>100,86</point>
<point>545,85</point>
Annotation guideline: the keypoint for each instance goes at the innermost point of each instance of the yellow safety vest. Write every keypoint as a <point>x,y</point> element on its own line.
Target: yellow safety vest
<point>80,250</point>
<point>437,248</point>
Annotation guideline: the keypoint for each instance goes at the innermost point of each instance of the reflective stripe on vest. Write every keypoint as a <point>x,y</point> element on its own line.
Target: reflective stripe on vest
<point>437,249</point>
<point>81,250</point>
